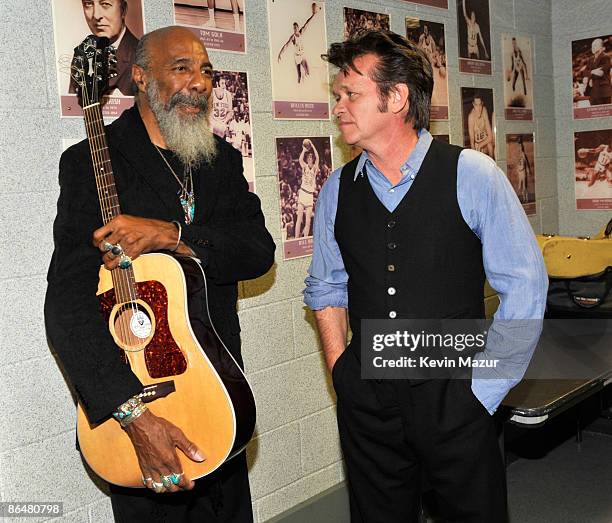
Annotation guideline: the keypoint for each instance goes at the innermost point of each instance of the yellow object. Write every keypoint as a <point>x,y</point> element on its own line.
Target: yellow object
<point>570,257</point>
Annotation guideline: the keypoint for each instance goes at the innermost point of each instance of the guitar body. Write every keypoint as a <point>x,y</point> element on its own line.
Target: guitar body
<point>190,377</point>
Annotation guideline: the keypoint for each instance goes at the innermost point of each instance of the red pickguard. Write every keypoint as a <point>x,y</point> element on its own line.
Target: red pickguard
<point>163,357</point>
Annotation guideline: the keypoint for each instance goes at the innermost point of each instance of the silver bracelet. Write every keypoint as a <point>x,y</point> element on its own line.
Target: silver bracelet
<point>180,232</point>
<point>129,411</point>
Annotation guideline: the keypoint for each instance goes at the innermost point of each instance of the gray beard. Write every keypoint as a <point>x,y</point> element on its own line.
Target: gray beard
<point>187,135</point>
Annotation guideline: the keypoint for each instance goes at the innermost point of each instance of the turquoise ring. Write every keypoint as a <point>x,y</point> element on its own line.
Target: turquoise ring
<point>176,478</point>
<point>125,262</point>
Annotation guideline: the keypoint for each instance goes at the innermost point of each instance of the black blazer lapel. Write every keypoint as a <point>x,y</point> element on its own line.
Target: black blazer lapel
<point>128,137</point>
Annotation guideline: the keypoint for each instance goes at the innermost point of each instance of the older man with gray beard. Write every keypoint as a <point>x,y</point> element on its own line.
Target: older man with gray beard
<point>173,176</point>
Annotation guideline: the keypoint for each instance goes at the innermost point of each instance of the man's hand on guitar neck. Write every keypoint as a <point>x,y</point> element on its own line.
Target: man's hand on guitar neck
<point>155,440</point>
<point>137,236</point>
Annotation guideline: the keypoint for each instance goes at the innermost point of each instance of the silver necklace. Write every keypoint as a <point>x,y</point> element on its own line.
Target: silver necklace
<point>186,194</point>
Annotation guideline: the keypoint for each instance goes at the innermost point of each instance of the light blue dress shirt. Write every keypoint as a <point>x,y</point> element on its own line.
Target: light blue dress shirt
<point>512,259</point>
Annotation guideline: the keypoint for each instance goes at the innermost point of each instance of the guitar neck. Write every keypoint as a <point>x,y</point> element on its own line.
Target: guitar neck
<point>123,279</point>
<point>103,170</point>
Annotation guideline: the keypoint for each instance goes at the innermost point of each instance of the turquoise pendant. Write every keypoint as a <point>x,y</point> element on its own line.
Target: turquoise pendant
<point>188,209</point>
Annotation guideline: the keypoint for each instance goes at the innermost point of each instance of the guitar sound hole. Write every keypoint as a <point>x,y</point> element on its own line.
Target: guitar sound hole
<point>133,326</point>
<point>163,356</point>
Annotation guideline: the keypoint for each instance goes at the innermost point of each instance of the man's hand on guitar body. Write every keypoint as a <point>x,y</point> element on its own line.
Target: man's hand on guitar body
<point>155,440</point>
<point>137,236</point>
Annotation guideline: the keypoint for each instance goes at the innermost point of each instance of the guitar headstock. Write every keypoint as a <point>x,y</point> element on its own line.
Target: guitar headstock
<point>93,64</point>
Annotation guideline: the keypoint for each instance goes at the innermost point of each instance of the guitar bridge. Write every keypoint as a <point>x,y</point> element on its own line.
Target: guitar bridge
<point>157,390</point>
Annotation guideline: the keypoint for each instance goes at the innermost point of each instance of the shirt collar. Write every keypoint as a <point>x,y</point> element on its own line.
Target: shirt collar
<point>117,42</point>
<point>412,164</point>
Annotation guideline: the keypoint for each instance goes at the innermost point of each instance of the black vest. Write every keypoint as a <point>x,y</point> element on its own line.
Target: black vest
<point>420,261</point>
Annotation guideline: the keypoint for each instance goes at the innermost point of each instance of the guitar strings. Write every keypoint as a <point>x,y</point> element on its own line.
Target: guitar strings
<point>97,160</point>
<point>123,280</point>
<point>126,276</point>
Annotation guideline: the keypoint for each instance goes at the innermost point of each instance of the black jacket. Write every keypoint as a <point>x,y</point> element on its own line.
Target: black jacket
<point>600,85</point>
<point>228,234</point>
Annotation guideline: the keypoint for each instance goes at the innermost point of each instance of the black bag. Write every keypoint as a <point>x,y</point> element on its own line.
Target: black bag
<point>585,297</point>
<point>582,295</point>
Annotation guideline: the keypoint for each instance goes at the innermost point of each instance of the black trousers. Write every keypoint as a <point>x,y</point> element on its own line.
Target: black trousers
<point>221,497</point>
<point>395,435</point>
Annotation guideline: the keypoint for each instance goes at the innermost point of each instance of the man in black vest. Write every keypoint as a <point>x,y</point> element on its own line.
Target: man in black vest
<point>407,230</point>
<point>205,210</point>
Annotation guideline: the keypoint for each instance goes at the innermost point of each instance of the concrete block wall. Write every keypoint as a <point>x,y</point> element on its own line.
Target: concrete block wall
<point>295,452</point>
<point>574,21</point>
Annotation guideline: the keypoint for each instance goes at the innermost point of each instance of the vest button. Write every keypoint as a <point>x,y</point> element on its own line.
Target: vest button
<point>391,268</point>
<point>392,314</point>
<point>391,224</point>
<point>391,245</point>
<point>391,291</point>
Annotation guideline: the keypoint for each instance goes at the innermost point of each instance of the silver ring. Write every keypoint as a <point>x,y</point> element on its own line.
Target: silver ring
<point>107,246</point>
<point>166,481</point>
<point>125,262</point>
<point>158,487</point>
<point>146,480</point>
<point>117,250</point>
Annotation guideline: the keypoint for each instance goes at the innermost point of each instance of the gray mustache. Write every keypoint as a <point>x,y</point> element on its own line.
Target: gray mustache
<point>200,102</point>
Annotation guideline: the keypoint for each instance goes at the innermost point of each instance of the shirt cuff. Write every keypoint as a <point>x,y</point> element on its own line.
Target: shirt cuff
<point>317,303</point>
<point>491,391</point>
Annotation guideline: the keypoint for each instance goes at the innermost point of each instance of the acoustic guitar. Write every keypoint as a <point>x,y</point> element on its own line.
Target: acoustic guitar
<point>189,376</point>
